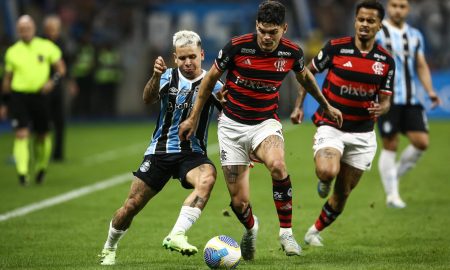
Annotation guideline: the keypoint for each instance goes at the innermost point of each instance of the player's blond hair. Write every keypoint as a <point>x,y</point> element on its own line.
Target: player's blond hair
<point>185,38</point>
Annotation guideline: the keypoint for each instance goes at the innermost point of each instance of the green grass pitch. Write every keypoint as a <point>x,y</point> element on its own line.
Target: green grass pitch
<point>366,236</point>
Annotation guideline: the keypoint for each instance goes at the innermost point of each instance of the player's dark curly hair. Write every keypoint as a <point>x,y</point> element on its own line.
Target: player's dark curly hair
<point>272,12</point>
<point>371,4</point>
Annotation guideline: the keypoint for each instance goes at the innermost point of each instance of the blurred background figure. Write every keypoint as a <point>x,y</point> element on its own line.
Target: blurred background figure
<point>107,76</point>
<point>134,30</point>
<point>82,72</point>
<point>52,31</point>
<point>28,83</point>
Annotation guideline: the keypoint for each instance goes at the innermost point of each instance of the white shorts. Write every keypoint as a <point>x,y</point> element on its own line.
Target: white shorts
<point>357,149</point>
<point>237,141</point>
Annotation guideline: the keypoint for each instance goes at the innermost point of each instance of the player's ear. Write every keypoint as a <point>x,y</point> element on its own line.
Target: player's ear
<point>202,53</point>
<point>175,58</point>
<point>285,27</point>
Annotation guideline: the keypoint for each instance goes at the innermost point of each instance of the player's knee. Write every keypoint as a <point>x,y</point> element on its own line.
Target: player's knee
<point>422,145</point>
<point>206,184</point>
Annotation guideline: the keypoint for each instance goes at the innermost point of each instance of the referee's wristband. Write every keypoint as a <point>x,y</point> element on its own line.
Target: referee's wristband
<point>56,78</point>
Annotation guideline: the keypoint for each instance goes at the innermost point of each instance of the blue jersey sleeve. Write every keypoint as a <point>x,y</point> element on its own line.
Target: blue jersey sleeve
<point>165,79</point>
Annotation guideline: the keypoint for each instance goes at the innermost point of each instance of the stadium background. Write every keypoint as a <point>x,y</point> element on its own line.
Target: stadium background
<point>63,223</point>
<point>141,30</point>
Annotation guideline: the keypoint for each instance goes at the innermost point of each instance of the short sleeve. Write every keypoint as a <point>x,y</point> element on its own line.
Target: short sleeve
<point>165,80</point>
<point>8,62</point>
<point>55,53</point>
<point>299,64</point>
<point>387,83</point>
<point>324,58</point>
<point>224,58</point>
<point>421,43</point>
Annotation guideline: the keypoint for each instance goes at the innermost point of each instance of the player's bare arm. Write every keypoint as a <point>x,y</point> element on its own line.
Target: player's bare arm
<point>381,107</point>
<point>188,127</point>
<point>6,84</point>
<point>423,71</point>
<point>297,113</point>
<point>307,80</point>
<point>151,89</point>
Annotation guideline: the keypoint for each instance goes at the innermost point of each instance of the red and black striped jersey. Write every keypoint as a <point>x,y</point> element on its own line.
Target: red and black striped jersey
<point>254,77</point>
<point>354,80</point>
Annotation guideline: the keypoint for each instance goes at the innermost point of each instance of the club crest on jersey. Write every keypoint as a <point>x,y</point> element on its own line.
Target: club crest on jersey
<point>145,166</point>
<point>378,68</point>
<point>279,64</point>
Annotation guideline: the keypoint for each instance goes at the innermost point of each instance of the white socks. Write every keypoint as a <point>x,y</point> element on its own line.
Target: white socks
<point>188,216</point>
<point>388,172</point>
<point>113,237</point>
<point>408,159</point>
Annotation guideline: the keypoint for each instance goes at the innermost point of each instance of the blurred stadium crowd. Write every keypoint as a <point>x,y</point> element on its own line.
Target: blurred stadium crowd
<point>130,33</point>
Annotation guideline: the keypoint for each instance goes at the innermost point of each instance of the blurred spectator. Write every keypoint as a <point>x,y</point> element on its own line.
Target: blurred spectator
<point>82,71</point>
<point>107,76</point>
<point>52,31</point>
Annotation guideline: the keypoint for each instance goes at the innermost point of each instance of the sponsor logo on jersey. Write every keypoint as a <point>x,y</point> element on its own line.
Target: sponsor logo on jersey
<point>279,64</point>
<point>248,51</point>
<point>247,62</point>
<point>220,54</point>
<point>378,68</point>
<point>347,51</point>
<point>223,155</point>
<point>357,91</point>
<point>255,85</point>
<point>348,64</point>
<point>173,91</point>
<point>379,56</point>
<point>281,53</point>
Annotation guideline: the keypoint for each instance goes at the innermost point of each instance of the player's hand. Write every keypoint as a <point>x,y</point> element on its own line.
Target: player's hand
<point>375,109</point>
<point>187,129</point>
<point>297,115</point>
<point>48,87</point>
<point>160,66</point>
<point>221,96</point>
<point>334,115</point>
<point>3,112</point>
<point>435,100</point>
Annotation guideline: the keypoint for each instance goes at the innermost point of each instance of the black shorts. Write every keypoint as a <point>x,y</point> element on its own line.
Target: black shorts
<point>30,110</point>
<point>156,170</point>
<point>403,118</point>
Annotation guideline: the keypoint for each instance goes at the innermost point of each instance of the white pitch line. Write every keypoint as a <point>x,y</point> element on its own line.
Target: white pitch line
<point>110,182</point>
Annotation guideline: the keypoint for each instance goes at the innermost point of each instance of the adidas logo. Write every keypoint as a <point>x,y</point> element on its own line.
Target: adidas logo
<point>247,62</point>
<point>348,64</point>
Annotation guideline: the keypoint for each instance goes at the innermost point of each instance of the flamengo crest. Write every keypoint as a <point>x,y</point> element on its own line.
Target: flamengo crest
<point>279,64</point>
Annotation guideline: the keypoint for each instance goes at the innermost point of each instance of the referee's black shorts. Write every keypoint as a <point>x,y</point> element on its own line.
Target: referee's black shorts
<point>30,110</point>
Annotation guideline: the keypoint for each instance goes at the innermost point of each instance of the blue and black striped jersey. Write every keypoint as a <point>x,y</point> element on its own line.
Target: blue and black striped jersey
<point>177,97</point>
<point>404,45</point>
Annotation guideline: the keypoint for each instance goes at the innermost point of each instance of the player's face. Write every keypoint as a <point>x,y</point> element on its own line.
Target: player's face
<point>26,30</point>
<point>189,61</point>
<point>397,11</point>
<point>367,24</point>
<point>269,35</point>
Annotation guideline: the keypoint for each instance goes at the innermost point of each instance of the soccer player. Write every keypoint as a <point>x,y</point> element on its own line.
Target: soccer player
<point>359,83</point>
<point>249,125</point>
<point>406,115</point>
<point>27,84</point>
<point>167,156</point>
